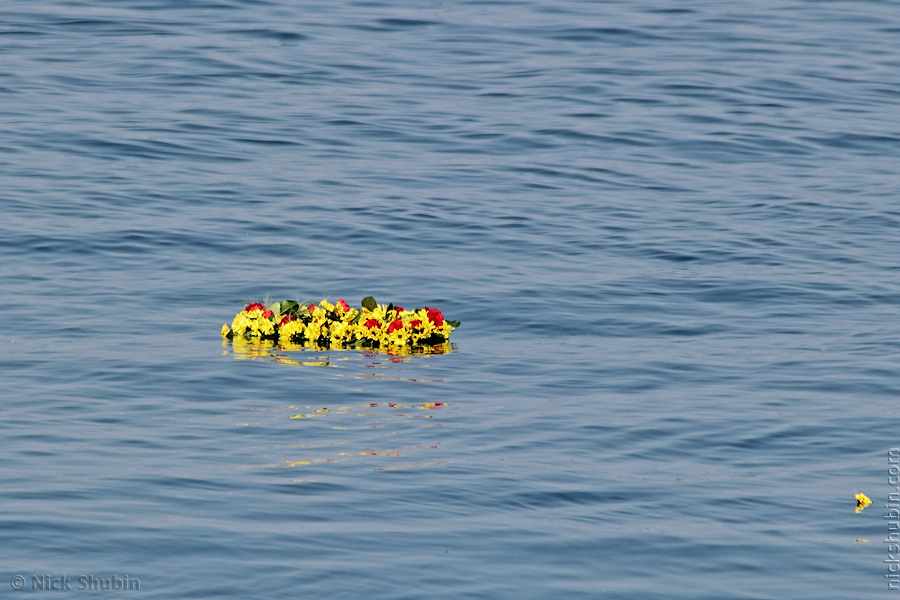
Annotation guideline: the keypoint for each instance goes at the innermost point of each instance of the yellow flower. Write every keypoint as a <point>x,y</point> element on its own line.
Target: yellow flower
<point>339,331</point>
<point>241,324</point>
<point>265,327</point>
<point>862,501</point>
<point>379,312</point>
<point>292,332</point>
<point>251,323</point>
<point>314,330</point>
<point>225,331</point>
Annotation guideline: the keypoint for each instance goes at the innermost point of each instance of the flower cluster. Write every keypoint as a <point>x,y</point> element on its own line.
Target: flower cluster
<point>337,326</point>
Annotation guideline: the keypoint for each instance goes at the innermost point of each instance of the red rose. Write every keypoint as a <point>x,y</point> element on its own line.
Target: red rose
<point>398,309</point>
<point>255,306</point>
<point>435,316</point>
<point>415,323</point>
<point>312,307</point>
<point>343,304</point>
<point>267,314</point>
<point>286,319</point>
<point>372,323</point>
<point>395,325</point>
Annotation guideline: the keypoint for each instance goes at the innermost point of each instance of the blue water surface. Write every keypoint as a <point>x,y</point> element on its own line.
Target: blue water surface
<point>669,232</point>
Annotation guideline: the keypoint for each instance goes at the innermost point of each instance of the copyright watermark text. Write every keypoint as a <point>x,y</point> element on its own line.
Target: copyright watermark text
<point>892,516</point>
<point>84,583</point>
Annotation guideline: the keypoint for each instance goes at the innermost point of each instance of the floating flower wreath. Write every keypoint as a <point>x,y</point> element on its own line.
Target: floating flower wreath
<point>337,326</point>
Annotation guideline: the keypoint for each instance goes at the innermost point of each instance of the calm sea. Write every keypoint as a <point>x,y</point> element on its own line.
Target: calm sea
<point>670,231</point>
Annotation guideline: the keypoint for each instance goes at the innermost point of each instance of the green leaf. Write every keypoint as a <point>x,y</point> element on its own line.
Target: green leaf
<point>275,307</point>
<point>369,303</point>
<point>289,307</point>
<point>453,324</point>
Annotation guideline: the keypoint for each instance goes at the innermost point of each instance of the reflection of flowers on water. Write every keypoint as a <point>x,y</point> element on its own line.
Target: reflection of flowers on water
<point>336,438</point>
<point>342,445</point>
<point>369,364</point>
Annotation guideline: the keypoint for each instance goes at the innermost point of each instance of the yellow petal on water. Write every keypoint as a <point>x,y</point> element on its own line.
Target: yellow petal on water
<point>861,540</point>
<point>862,501</point>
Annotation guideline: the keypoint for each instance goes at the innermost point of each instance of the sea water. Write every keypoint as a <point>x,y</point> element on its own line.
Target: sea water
<point>669,231</point>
